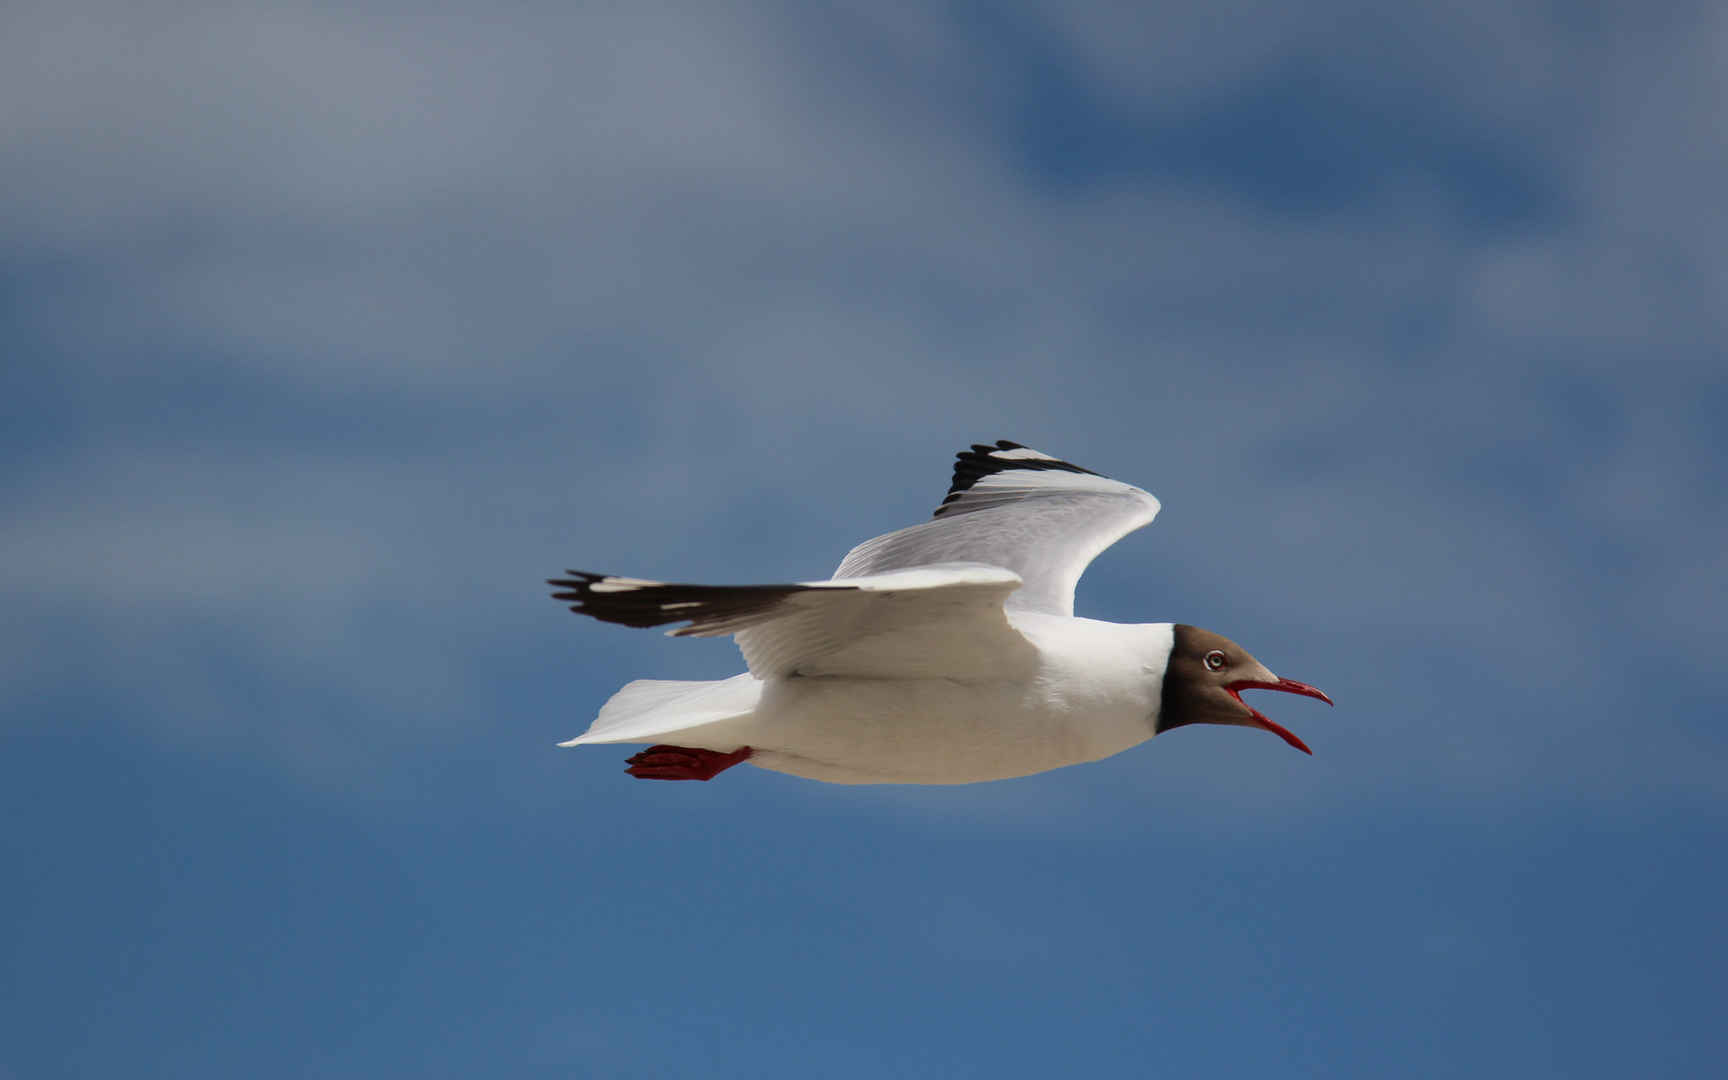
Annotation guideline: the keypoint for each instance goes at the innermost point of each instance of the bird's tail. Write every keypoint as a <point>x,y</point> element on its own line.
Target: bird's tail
<point>650,710</point>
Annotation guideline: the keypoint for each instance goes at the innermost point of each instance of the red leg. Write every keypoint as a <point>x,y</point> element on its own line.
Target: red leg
<point>683,763</point>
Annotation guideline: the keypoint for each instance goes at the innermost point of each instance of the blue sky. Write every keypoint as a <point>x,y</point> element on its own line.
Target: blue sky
<point>332,330</point>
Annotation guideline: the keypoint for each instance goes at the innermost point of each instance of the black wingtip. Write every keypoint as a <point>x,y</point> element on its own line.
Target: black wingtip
<point>971,466</point>
<point>574,587</point>
<point>642,603</point>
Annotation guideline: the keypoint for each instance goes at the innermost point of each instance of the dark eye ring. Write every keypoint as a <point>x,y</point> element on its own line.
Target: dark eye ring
<point>1214,660</point>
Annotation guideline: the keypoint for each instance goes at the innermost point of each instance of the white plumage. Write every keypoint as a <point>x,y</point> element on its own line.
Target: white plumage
<point>946,652</point>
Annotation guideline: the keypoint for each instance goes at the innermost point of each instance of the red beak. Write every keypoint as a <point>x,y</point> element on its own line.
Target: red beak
<point>1289,686</point>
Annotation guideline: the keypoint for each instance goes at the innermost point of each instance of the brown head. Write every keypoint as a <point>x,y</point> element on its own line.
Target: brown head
<point>1204,680</point>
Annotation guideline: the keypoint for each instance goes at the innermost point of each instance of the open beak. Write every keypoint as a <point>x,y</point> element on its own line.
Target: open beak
<point>1288,686</point>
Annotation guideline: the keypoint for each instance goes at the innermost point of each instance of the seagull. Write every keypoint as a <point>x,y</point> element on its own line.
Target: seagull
<point>943,653</point>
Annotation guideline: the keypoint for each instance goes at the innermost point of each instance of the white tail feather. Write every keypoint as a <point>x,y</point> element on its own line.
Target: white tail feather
<point>648,709</point>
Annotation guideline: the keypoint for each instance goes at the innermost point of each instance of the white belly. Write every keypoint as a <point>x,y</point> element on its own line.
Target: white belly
<point>932,731</point>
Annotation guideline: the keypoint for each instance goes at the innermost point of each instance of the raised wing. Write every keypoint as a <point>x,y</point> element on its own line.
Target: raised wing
<point>929,621</point>
<point>1020,509</point>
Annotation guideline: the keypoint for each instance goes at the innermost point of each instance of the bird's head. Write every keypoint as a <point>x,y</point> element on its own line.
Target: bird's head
<point>1204,679</point>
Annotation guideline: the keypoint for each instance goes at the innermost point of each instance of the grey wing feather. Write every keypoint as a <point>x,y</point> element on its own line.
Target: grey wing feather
<point>943,621</point>
<point>1022,510</point>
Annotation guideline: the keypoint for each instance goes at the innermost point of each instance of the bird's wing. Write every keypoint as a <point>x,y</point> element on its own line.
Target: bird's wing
<point>929,621</point>
<point>1019,509</point>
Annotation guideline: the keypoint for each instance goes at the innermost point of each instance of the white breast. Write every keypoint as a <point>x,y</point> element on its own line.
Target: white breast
<point>1093,693</point>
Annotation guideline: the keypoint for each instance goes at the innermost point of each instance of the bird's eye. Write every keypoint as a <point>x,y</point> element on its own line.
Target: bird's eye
<point>1214,660</point>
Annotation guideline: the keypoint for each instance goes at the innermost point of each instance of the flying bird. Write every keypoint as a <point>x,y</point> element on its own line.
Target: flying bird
<point>944,653</point>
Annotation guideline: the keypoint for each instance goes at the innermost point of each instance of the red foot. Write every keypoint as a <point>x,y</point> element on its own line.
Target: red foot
<point>683,763</point>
